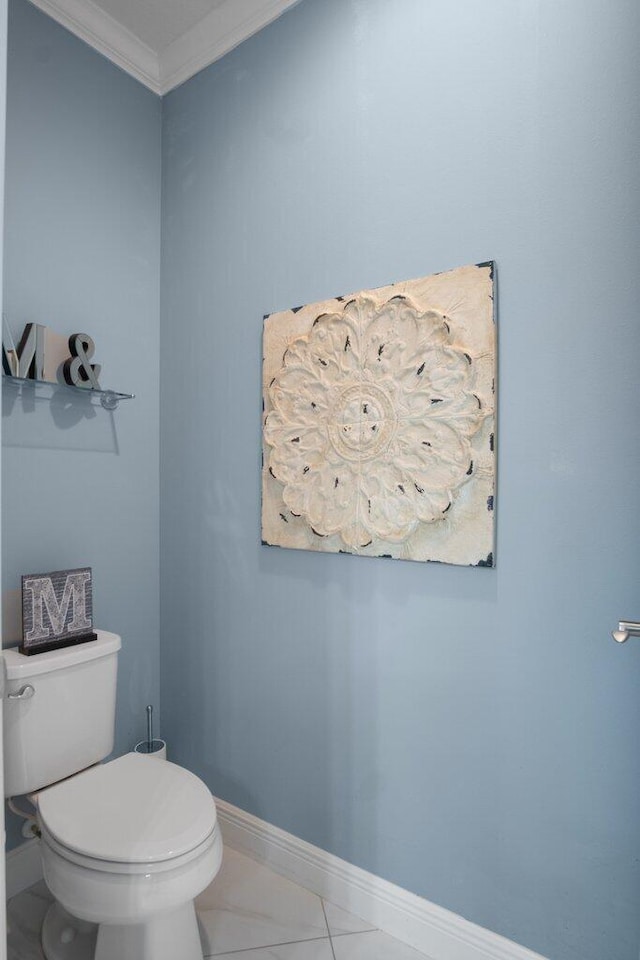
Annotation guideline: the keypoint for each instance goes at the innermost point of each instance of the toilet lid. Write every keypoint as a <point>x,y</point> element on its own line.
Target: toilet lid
<point>135,809</point>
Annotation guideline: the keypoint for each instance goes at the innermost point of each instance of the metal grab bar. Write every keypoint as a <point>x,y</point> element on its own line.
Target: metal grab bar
<point>626,629</point>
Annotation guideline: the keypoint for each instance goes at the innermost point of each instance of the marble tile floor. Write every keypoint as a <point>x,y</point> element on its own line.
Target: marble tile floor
<point>248,913</point>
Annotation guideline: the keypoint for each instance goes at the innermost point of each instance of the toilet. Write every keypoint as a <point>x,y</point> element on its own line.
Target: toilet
<point>126,845</point>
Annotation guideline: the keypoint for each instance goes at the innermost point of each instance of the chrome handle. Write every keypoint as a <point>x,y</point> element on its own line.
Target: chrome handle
<point>24,693</point>
<point>626,629</point>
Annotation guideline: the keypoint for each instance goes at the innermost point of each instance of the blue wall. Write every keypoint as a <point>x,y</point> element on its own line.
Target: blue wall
<point>82,253</point>
<point>469,734</point>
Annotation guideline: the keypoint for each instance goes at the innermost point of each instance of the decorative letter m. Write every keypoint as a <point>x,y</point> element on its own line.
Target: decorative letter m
<point>45,602</point>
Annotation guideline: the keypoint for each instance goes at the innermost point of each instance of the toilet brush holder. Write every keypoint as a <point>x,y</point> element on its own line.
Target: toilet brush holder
<point>150,746</point>
<point>154,748</point>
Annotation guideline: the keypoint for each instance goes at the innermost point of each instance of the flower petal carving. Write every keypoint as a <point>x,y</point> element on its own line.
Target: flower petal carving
<point>371,420</point>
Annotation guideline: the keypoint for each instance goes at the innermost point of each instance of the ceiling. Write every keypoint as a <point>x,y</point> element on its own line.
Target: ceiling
<point>164,42</point>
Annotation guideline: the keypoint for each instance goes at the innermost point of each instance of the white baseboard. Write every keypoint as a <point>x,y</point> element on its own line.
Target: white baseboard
<point>431,929</point>
<point>24,867</point>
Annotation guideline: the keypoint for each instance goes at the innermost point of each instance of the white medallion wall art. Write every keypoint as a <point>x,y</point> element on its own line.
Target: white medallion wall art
<point>379,422</point>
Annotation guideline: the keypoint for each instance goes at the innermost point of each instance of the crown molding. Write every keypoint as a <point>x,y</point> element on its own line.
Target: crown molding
<point>106,35</point>
<point>224,28</point>
<point>217,33</point>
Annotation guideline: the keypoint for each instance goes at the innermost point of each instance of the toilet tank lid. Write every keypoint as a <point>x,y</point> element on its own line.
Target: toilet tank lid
<point>20,667</point>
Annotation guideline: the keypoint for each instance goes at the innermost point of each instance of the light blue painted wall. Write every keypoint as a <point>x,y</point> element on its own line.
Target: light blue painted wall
<point>82,253</point>
<point>469,734</point>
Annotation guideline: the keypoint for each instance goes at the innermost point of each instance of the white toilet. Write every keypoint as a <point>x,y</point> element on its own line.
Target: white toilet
<point>126,845</point>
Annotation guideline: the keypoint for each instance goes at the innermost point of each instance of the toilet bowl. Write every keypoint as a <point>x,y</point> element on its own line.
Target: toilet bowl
<point>126,847</point>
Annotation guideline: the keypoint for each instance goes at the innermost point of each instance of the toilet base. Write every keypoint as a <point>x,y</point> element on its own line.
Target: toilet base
<point>65,937</point>
<point>163,937</point>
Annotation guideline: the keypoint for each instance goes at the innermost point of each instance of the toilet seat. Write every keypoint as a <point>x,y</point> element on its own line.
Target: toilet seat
<point>130,868</point>
<point>129,815</point>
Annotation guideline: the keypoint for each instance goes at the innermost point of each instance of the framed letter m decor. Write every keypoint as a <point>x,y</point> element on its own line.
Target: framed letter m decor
<point>57,610</point>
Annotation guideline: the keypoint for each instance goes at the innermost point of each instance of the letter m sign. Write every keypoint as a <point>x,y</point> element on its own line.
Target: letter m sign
<point>57,610</point>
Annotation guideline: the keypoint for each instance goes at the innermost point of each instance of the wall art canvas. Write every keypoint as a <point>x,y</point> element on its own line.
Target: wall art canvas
<point>57,609</point>
<point>378,426</point>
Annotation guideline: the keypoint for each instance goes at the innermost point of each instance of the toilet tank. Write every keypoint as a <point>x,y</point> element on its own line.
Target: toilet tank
<point>68,722</point>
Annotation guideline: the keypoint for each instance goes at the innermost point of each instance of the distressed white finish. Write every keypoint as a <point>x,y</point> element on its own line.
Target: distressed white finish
<point>378,427</point>
<point>159,42</point>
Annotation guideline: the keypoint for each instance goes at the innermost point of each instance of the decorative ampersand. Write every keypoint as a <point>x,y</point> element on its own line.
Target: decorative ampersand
<point>78,369</point>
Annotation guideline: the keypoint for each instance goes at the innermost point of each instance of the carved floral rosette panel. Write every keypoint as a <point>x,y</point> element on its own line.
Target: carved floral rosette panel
<point>378,429</point>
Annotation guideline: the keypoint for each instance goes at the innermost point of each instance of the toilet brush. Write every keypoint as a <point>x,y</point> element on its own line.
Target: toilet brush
<point>155,748</point>
<point>149,728</point>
